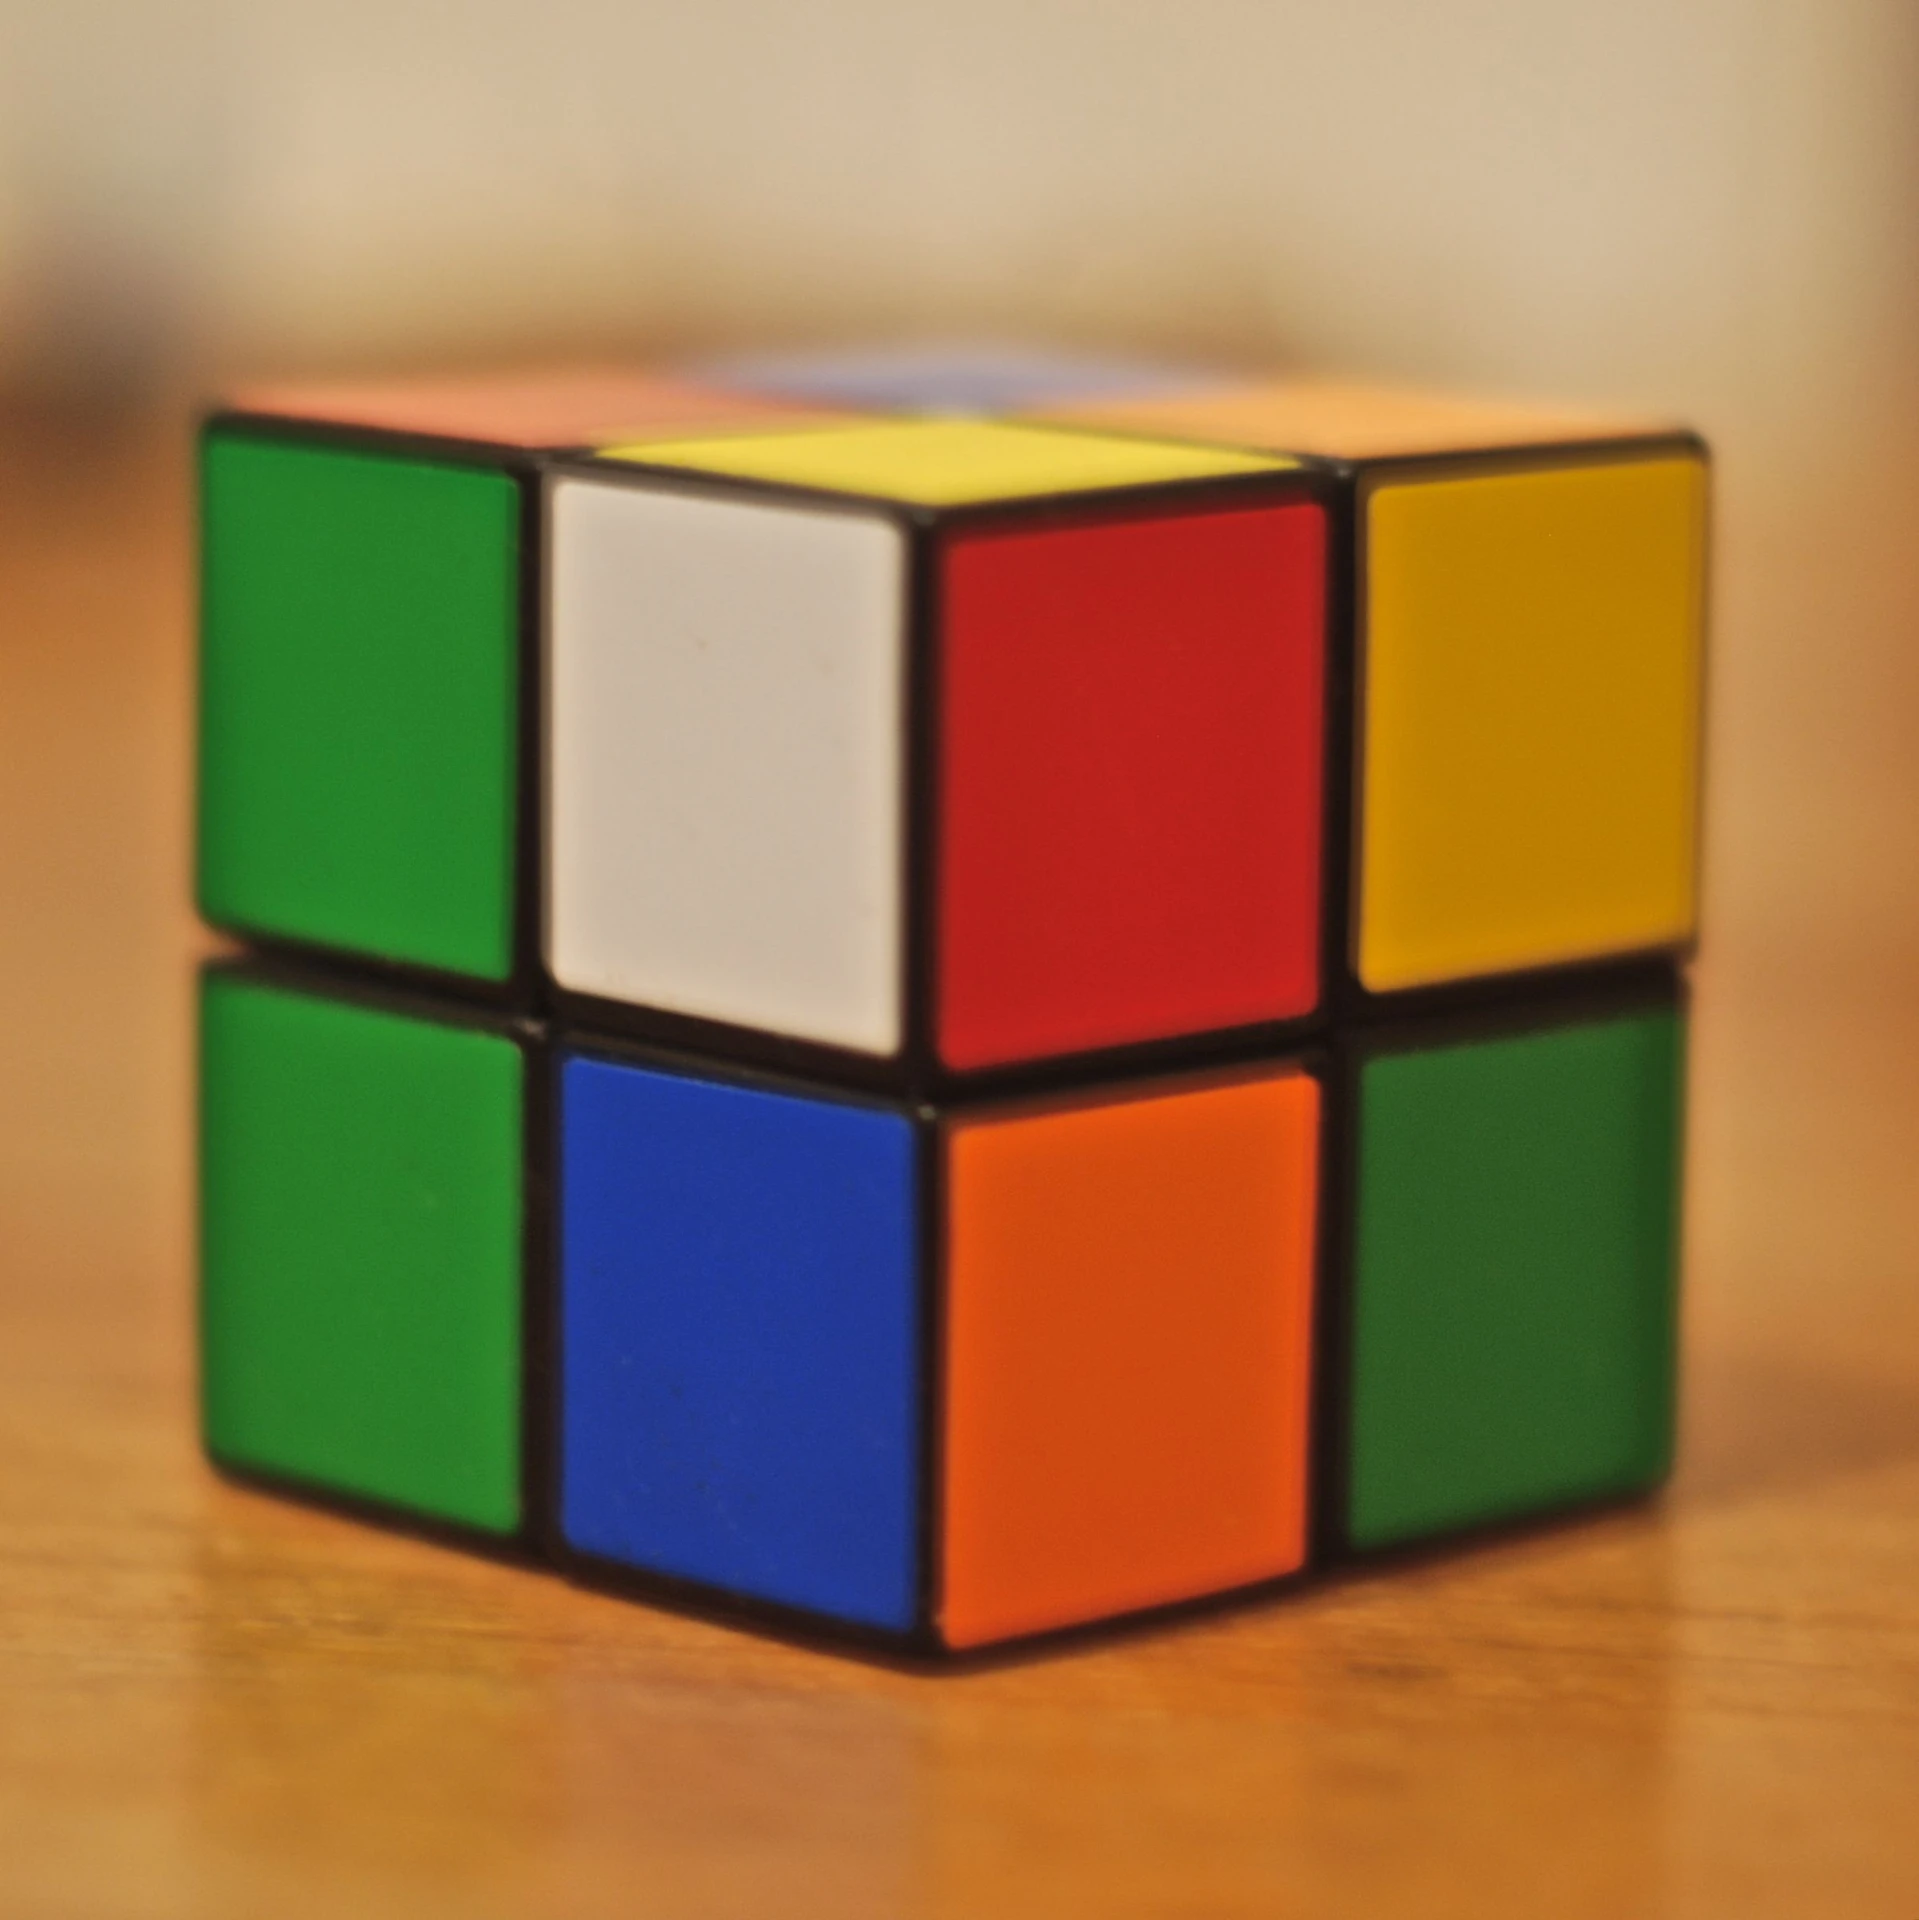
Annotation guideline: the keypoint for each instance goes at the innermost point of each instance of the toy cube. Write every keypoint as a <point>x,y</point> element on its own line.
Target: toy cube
<point>939,1030</point>
<point>371,1191</point>
<point>921,750</point>
<point>1503,1309</point>
<point>938,1376</point>
<point>369,676</point>
<point>1522,670</point>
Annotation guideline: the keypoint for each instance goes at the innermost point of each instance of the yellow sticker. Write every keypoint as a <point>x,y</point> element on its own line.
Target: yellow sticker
<point>1529,736</point>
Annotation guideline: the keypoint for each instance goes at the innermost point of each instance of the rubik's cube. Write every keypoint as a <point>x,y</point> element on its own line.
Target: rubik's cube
<point>936,999</point>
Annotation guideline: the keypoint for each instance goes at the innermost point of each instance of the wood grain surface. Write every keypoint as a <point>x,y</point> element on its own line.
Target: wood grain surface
<point>215,1704</point>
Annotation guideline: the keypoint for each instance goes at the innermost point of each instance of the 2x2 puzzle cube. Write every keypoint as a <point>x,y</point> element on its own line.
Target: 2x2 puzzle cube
<point>962,1189</point>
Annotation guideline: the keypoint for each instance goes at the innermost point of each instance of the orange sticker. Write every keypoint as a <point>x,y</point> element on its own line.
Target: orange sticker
<point>1128,1340</point>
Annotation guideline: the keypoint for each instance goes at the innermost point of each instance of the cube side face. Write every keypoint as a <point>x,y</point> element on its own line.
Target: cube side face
<point>1131,720</point>
<point>1514,1275</point>
<point>1128,1335</point>
<point>726,760</point>
<point>740,1384</point>
<point>1530,662</point>
<point>359,703</point>
<point>362,1236</point>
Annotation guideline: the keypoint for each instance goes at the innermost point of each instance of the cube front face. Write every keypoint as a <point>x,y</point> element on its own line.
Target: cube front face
<point>362,1244</point>
<point>1527,784</point>
<point>1513,1277</point>
<point>1129,1308</point>
<point>739,1325</point>
<point>359,704</point>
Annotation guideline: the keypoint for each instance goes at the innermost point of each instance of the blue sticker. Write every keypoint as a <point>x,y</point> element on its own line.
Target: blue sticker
<point>739,1382</point>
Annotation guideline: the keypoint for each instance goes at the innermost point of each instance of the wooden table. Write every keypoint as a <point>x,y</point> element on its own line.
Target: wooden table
<point>211,1703</point>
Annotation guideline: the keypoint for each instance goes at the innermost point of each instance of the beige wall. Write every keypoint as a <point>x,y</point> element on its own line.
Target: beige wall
<point>1687,200</point>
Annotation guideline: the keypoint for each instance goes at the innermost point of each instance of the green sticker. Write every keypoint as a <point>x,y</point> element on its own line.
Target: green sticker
<point>361,1230</point>
<point>1514,1275</point>
<point>359,702</point>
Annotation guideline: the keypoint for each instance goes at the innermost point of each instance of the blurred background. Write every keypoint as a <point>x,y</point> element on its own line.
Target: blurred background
<point>1707,207</point>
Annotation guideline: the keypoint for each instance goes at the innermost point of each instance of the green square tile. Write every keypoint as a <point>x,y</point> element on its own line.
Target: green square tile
<point>361,1250</point>
<point>1514,1275</point>
<point>359,701</point>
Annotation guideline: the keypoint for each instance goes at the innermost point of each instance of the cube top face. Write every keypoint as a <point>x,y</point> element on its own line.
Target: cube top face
<point>1513,1273</point>
<point>959,799</point>
<point>528,410</point>
<point>1530,644</point>
<point>1346,420</point>
<point>360,702</point>
<point>362,1225</point>
<point>949,463</point>
<point>951,1377</point>
<point>953,377</point>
